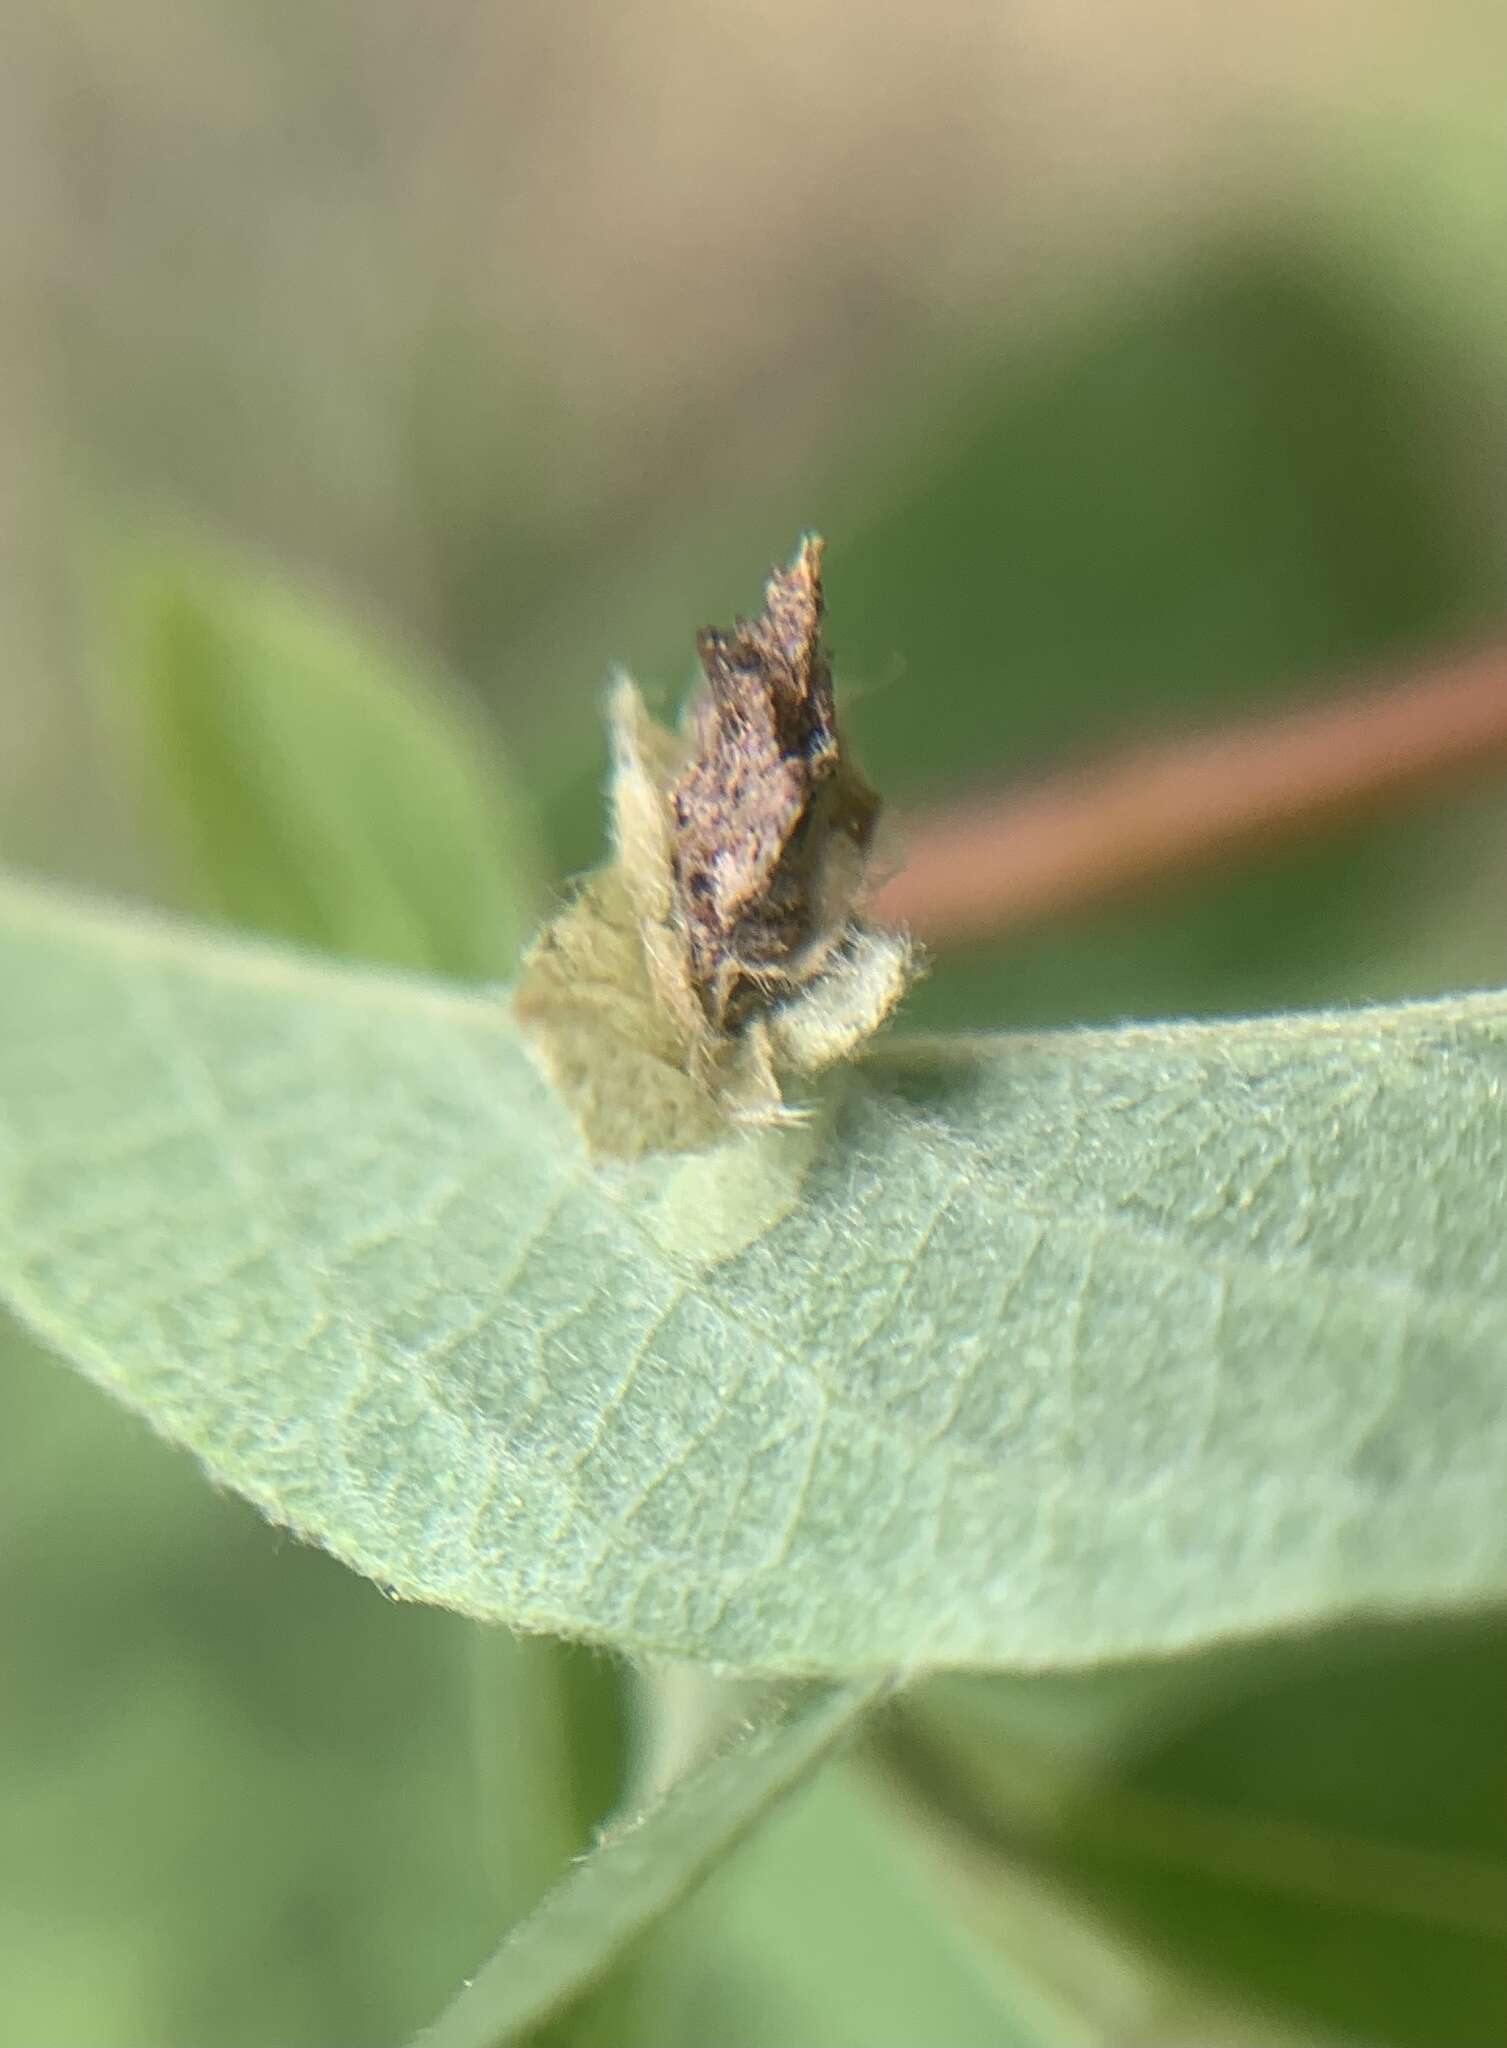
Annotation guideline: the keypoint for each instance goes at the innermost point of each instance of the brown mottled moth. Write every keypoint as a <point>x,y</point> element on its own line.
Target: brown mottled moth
<point>723,946</point>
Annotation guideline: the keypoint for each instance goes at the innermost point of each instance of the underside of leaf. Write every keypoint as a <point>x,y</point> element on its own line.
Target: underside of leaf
<point>1035,1352</point>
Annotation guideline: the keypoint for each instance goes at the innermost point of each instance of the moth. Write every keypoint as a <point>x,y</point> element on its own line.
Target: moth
<point>723,948</point>
<point>772,823</point>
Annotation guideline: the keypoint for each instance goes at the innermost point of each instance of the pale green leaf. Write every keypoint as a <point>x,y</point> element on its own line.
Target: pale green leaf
<point>643,1867</point>
<point>1023,1352</point>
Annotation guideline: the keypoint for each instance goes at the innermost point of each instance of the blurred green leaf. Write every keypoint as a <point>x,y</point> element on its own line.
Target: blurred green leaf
<point>308,782</point>
<point>1316,1828</point>
<point>821,1930</point>
<point>1192,497</point>
<point>234,1788</point>
<point>643,1867</point>
<point>826,1931</point>
<point>549,1741</point>
<point>1236,488</point>
<point>1023,1352</point>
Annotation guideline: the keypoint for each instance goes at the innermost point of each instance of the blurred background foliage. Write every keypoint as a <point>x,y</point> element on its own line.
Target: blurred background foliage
<point>374,378</point>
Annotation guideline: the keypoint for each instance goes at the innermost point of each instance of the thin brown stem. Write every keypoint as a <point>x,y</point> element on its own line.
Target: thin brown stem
<point>1093,834</point>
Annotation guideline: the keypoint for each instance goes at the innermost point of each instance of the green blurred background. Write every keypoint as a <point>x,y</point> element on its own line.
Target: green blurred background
<point>1141,367</point>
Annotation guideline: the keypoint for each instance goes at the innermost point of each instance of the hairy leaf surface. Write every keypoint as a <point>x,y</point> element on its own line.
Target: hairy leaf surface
<point>1024,1352</point>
